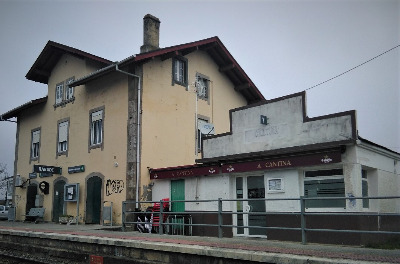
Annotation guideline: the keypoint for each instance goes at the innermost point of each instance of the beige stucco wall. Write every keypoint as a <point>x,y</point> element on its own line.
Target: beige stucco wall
<point>168,135</point>
<point>110,93</point>
<point>168,118</point>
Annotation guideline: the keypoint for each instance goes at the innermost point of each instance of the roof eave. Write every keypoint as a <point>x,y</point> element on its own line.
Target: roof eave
<point>247,88</point>
<point>296,150</point>
<point>39,73</point>
<point>94,75</point>
<point>15,112</point>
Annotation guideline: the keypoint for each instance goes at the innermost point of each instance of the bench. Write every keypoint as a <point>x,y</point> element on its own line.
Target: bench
<point>35,214</point>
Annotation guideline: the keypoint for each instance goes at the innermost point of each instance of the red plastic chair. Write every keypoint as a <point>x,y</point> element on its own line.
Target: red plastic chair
<point>156,214</point>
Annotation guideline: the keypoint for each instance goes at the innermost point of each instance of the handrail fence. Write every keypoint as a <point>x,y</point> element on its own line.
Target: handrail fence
<point>127,211</point>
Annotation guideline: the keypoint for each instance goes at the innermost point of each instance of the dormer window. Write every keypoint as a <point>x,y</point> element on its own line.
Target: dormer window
<point>65,94</point>
<point>59,93</point>
<point>69,91</point>
<point>179,71</point>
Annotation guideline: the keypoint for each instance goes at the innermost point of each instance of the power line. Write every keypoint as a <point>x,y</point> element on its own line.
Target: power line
<point>352,68</point>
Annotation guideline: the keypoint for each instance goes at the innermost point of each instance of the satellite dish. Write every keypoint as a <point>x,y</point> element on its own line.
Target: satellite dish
<point>206,128</point>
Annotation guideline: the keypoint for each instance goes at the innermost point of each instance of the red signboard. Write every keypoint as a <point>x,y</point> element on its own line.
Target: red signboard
<point>96,259</point>
<point>262,165</point>
<point>281,163</point>
<point>183,172</point>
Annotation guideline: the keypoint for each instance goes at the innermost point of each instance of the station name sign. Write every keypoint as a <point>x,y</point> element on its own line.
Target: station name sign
<point>47,169</point>
<point>76,169</point>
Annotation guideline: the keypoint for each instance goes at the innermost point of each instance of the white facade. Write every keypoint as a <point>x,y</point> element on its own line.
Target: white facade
<point>284,157</point>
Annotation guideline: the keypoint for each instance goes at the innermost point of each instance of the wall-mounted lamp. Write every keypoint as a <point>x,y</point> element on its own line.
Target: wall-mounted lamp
<point>20,182</point>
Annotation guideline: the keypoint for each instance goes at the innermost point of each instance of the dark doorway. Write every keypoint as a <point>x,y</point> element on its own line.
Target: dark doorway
<point>31,196</point>
<point>93,200</point>
<point>58,204</point>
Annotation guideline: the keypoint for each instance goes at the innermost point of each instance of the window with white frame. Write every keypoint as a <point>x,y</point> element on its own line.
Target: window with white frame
<point>69,91</point>
<point>179,71</point>
<point>323,184</point>
<point>62,146</point>
<point>59,93</point>
<point>96,128</point>
<point>35,147</point>
<point>64,92</point>
<point>202,86</point>
<point>275,185</point>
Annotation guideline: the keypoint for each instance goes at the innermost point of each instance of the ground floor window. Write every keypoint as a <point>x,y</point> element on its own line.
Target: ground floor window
<point>365,188</point>
<point>322,184</point>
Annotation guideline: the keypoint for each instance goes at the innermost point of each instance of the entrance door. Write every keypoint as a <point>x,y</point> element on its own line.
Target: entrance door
<point>93,200</point>
<point>31,196</point>
<point>252,189</point>
<point>58,204</point>
<point>178,194</point>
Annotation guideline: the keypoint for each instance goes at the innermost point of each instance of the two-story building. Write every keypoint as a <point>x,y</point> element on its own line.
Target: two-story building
<point>103,123</point>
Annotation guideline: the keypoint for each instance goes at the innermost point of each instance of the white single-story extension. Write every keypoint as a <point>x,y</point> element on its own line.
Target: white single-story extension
<point>275,151</point>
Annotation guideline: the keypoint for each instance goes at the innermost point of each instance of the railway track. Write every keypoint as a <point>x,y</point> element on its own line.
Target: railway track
<point>12,259</point>
<point>8,256</point>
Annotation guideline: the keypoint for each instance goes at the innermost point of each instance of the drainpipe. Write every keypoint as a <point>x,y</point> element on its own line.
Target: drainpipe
<point>138,131</point>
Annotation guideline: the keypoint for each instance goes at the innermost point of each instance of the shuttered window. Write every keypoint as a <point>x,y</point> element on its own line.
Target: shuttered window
<point>35,144</point>
<point>63,136</point>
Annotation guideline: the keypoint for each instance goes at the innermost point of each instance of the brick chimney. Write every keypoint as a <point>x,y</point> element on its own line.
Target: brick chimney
<point>151,33</point>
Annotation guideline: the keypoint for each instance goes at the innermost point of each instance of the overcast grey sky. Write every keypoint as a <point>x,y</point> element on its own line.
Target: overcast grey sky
<point>284,46</point>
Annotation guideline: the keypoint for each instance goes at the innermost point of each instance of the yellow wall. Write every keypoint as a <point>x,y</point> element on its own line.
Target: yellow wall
<point>168,116</point>
<point>110,93</point>
<point>167,133</point>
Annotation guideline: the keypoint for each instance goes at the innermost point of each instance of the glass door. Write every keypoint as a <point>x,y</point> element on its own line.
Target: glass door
<point>252,189</point>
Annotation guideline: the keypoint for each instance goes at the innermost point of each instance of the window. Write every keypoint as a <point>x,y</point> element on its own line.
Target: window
<point>62,146</point>
<point>35,144</point>
<point>69,90</point>
<point>365,188</point>
<point>179,71</point>
<point>96,128</point>
<point>203,129</point>
<point>275,185</point>
<point>59,93</point>
<point>202,86</point>
<point>324,183</point>
<point>64,96</point>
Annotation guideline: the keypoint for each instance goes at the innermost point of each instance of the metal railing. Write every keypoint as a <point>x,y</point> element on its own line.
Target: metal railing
<point>217,205</point>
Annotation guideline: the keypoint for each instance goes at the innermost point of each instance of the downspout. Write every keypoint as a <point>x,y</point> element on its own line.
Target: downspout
<point>139,106</point>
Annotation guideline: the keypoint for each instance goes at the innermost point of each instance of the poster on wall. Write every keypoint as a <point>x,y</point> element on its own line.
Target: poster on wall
<point>71,192</point>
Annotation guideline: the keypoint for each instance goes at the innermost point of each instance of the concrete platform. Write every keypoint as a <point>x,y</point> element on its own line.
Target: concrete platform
<point>244,250</point>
